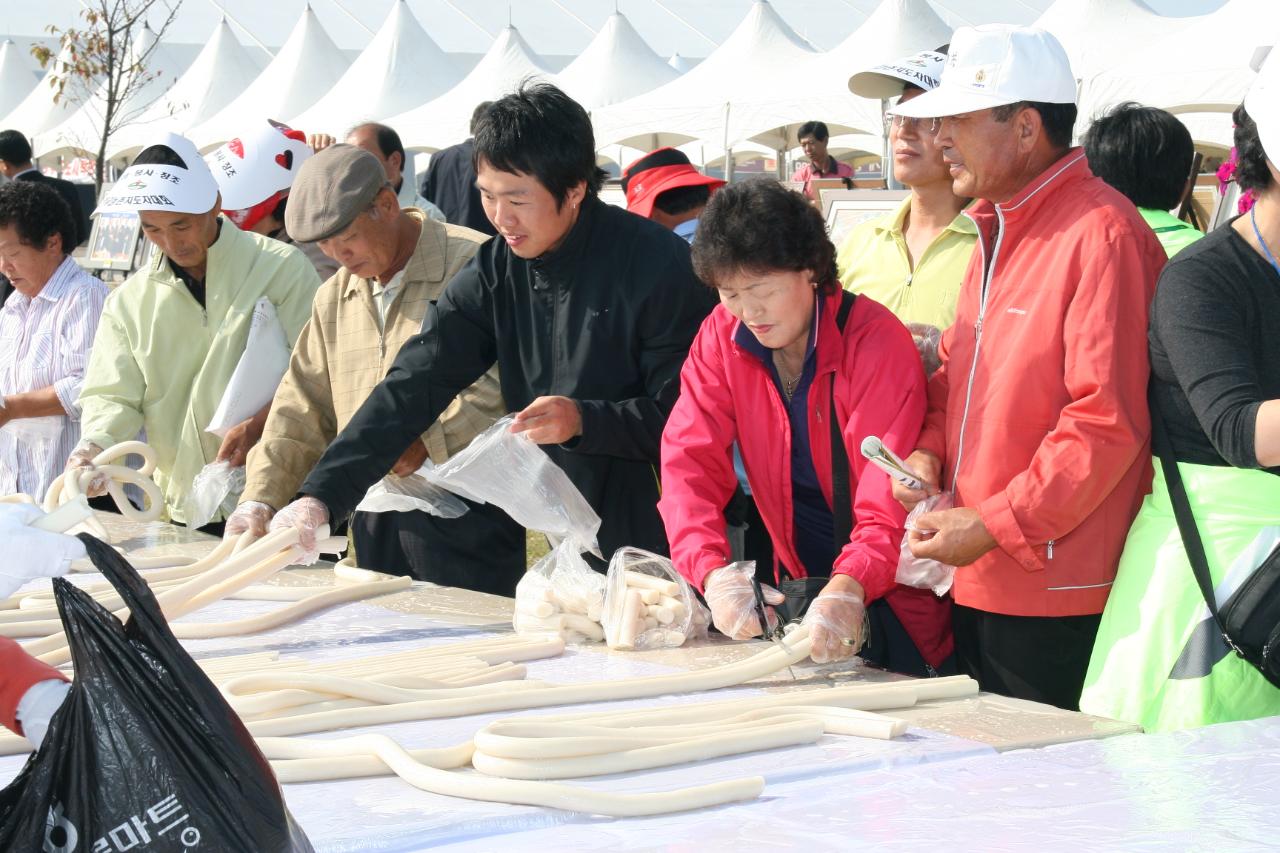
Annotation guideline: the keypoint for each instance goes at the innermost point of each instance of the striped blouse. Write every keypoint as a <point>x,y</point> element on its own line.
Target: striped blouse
<point>45,341</point>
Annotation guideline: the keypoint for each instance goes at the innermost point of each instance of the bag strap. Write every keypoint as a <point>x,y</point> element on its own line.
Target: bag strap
<point>841,502</point>
<point>1191,541</point>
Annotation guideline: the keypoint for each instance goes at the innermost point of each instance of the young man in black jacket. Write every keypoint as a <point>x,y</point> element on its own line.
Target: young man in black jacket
<point>587,309</point>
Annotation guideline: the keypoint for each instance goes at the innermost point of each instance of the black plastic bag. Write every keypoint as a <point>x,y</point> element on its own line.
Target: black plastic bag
<point>144,754</point>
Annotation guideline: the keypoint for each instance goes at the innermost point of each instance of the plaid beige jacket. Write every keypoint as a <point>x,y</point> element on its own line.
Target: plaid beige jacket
<point>340,356</point>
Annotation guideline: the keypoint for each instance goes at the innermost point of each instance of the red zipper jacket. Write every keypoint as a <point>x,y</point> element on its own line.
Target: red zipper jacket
<point>19,672</point>
<point>727,395</point>
<point>1039,411</point>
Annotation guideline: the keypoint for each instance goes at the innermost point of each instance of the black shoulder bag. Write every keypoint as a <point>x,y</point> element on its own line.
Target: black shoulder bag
<point>800,592</point>
<point>1250,619</point>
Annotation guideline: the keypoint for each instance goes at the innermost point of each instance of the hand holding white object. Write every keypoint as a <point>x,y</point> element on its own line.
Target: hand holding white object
<point>253,516</point>
<point>307,515</point>
<point>837,620</point>
<point>82,458</point>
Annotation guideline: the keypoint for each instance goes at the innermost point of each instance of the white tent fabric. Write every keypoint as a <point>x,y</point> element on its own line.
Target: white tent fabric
<point>730,96</point>
<point>221,71</point>
<point>446,120</point>
<point>896,29</point>
<point>1203,67</point>
<point>400,69</point>
<point>82,132</point>
<point>1097,34</point>
<point>306,67</point>
<point>38,111</point>
<point>680,64</point>
<point>17,76</point>
<point>617,65</point>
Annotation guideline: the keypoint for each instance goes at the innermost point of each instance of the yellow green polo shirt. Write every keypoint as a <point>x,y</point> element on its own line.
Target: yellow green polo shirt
<point>873,261</point>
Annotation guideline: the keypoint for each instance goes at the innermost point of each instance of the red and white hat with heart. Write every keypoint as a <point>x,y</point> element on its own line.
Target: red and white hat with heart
<point>186,188</point>
<point>256,166</point>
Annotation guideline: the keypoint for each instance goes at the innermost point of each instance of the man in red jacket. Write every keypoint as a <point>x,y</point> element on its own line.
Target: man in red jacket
<point>1038,417</point>
<point>30,691</point>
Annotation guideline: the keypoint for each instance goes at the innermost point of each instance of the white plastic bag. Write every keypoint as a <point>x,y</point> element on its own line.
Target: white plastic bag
<point>561,594</point>
<point>257,374</point>
<point>414,492</point>
<point>923,573</point>
<point>508,470</point>
<point>217,488</point>
<point>647,604</point>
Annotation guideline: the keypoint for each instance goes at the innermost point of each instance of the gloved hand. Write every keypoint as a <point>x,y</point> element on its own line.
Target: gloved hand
<point>306,514</point>
<point>82,457</point>
<point>732,600</point>
<point>253,516</point>
<point>32,553</point>
<point>837,621</point>
<point>38,705</point>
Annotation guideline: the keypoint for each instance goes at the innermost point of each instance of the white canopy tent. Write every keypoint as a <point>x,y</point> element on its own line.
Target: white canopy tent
<point>81,133</point>
<point>18,76</point>
<point>1098,34</point>
<point>39,110</point>
<point>306,67</point>
<point>617,65</point>
<point>446,120</point>
<point>221,71</point>
<point>1202,68</point>
<point>400,69</point>
<point>727,97</point>
<point>680,63</point>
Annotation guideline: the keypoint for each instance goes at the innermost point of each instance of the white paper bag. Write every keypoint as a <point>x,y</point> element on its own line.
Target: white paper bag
<point>257,374</point>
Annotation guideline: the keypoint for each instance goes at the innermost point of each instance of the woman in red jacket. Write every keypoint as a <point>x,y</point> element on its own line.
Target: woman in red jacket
<point>762,372</point>
<point>30,691</point>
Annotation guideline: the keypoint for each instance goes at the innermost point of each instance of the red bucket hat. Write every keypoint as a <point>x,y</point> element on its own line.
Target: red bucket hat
<point>655,173</point>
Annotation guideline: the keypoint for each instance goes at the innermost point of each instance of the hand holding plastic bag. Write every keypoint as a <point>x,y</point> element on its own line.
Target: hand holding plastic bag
<point>732,599</point>
<point>307,514</point>
<point>214,492</point>
<point>33,553</point>
<point>920,571</point>
<point>837,623</point>
<point>414,492</point>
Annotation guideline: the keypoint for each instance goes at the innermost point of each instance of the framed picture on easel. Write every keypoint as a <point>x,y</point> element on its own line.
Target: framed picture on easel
<point>113,241</point>
<point>844,209</point>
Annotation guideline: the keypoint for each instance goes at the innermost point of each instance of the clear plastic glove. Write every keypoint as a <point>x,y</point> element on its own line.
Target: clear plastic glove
<point>33,553</point>
<point>253,516</point>
<point>732,600</point>
<point>81,458</point>
<point>837,622</point>
<point>306,514</point>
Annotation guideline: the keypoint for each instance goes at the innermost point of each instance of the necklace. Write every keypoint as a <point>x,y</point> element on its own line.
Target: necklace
<point>789,383</point>
<point>1266,250</point>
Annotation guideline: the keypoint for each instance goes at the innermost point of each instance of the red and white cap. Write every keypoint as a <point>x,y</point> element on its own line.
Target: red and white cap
<point>255,170</point>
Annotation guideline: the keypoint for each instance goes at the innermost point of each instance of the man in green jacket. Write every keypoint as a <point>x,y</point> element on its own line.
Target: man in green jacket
<point>172,334</point>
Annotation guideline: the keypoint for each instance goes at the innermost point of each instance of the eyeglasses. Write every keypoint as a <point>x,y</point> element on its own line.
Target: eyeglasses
<point>919,125</point>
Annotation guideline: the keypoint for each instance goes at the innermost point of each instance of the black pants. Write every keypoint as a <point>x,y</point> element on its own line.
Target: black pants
<point>483,550</point>
<point>890,647</point>
<point>1040,658</point>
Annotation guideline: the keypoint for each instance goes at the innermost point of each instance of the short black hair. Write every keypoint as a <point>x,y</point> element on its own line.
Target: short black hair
<point>14,147</point>
<point>816,129</point>
<point>1251,159</point>
<point>37,212</point>
<point>159,155</point>
<point>759,226</point>
<point>538,130</point>
<point>477,114</point>
<point>1059,120</point>
<point>388,140</point>
<point>1143,152</point>
<point>680,200</point>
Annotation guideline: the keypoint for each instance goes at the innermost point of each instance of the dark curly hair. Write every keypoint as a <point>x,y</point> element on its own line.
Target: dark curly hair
<point>37,212</point>
<point>759,226</point>
<point>1251,160</point>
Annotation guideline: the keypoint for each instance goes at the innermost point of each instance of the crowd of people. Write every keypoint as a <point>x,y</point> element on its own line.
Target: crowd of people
<point>705,366</point>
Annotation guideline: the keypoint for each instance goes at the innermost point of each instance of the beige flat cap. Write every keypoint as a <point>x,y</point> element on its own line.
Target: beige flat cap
<point>331,189</point>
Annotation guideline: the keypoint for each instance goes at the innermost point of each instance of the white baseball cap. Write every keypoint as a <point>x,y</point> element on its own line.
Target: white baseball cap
<point>155,186</point>
<point>887,80</point>
<point>994,65</point>
<point>1262,103</point>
